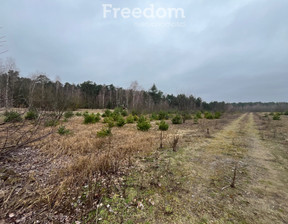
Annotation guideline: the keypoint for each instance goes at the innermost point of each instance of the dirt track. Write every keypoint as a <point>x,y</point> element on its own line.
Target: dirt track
<point>204,171</point>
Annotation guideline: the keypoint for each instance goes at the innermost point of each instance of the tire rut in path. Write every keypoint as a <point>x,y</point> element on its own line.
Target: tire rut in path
<point>269,190</point>
<point>260,195</point>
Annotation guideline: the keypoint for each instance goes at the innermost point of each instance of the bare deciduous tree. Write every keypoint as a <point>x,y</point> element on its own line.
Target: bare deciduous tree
<point>14,135</point>
<point>2,41</point>
<point>6,69</point>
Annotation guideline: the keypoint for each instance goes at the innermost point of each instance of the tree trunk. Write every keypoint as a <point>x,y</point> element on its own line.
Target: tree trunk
<point>7,92</point>
<point>161,140</point>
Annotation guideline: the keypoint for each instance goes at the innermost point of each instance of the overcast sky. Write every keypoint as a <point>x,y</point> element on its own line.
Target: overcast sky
<point>225,50</point>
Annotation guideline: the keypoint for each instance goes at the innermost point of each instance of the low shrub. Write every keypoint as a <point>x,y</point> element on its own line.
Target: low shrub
<point>31,115</point>
<point>177,119</point>
<point>124,113</point>
<point>186,116</point>
<point>98,117</point>
<point>130,119</point>
<point>162,115</point>
<point>115,115</point>
<point>120,122</point>
<point>12,116</point>
<point>153,116</point>
<point>286,113</point>
<point>217,115</point>
<point>143,124</point>
<point>51,123</point>
<point>136,118</point>
<point>208,115</point>
<point>163,126</point>
<point>68,114</point>
<point>104,132</point>
<point>195,120</point>
<point>276,117</point>
<point>120,111</point>
<point>63,131</point>
<point>91,118</point>
<point>107,113</point>
<point>198,115</point>
<point>78,114</point>
<point>85,113</point>
<point>109,121</point>
<point>141,118</point>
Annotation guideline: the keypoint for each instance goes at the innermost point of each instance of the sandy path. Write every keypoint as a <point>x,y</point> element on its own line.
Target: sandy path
<point>268,170</point>
<point>205,196</point>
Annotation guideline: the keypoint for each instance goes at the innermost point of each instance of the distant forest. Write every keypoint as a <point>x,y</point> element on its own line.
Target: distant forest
<point>39,91</point>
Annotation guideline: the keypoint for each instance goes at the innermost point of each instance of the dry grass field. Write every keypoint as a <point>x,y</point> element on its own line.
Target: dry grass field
<point>125,178</point>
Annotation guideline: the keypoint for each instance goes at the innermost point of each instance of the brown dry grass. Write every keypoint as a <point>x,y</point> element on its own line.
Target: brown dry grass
<point>54,174</point>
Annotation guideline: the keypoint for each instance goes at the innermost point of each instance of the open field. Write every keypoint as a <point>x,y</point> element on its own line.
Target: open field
<point>126,178</point>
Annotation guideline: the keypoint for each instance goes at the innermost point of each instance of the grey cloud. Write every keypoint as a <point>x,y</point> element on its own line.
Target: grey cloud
<point>227,50</point>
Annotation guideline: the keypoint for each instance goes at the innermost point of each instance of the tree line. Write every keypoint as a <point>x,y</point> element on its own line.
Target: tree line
<point>40,92</point>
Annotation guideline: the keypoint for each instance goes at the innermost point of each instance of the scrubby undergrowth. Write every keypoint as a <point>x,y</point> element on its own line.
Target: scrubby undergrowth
<point>115,178</point>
